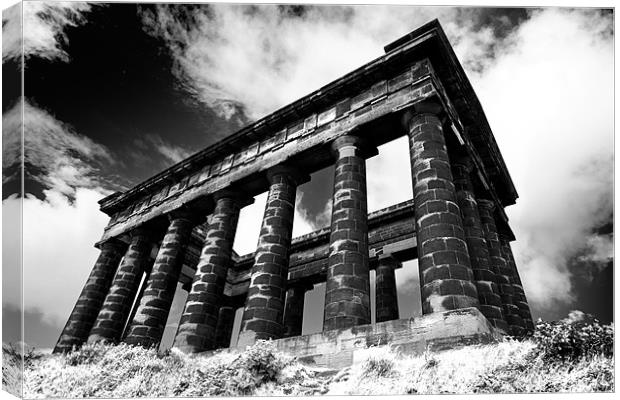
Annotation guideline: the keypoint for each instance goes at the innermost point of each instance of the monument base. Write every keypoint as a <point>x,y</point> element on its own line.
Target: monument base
<point>438,331</point>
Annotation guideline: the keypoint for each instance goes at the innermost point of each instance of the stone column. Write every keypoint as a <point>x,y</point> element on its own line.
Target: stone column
<point>518,293</point>
<point>91,298</point>
<point>484,277</point>
<point>446,276</point>
<point>385,289</point>
<point>225,322</point>
<point>294,309</point>
<point>499,265</point>
<point>148,324</point>
<point>197,328</point>
<point>115,310</point>
<point>264,307</point>
<point>347,290</point>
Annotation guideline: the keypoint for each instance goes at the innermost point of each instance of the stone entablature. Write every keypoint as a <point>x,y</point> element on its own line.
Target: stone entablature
<point>178,227</point>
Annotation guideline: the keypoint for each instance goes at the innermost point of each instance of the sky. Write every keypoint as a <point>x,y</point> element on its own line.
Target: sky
<point>115,93</point>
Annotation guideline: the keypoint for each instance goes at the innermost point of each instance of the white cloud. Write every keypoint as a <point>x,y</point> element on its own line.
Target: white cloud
<point>550,102</point>
<point>43,28</point>
<point>172,153</point>
<point>56,156</point>
<point>58,249</point>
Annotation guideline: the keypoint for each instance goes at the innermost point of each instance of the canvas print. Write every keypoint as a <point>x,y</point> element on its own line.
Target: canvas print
<point>265,200</point>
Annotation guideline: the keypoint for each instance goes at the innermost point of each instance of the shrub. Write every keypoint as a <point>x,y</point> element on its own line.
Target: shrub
<point>579,335</point>
<point>260,359</point>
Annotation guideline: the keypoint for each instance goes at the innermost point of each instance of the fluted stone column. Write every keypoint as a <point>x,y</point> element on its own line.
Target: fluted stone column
<point>117,305</point>
<point>385,289</point>
<point>518,293</point>
<point>197,328</point>
<point>484,277</point>
<point>264,307</point>
<point>225,322</point>
<point>500,266</point>
<point>85,311</point>
<point>347,290</point>
<point>148,324</point>
<point>294,309</point>
<point>446,276</point>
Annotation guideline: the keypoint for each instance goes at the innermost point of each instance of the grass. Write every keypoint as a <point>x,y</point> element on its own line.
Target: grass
<point>123,371</point>
<point>12,376</point>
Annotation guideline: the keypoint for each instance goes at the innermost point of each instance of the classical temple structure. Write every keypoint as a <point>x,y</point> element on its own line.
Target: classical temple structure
<point>179,225</point>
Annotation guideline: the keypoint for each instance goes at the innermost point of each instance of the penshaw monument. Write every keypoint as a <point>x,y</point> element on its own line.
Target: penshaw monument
<point>179,225</point>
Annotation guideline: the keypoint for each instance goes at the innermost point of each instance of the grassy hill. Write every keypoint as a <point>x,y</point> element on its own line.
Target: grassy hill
<point>573,355</point>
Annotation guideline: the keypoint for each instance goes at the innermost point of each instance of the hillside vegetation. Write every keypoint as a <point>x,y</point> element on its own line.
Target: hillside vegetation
<point>572,355</point>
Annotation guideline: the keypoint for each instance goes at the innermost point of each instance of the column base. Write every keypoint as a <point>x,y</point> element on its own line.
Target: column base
<point>342,347</point>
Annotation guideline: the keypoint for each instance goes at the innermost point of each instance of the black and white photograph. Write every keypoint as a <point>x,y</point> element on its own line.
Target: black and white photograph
<point>216,199</point>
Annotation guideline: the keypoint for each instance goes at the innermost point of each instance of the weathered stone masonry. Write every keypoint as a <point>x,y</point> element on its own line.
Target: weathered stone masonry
<point>385,289</point>
<point>148,324</point>
<point>484,277</point>
<point>264,308</point>
<point>445,271</point>
<point>117,305</point>
<point>347,293</point>
<point>455,225</point>
<point>197,328</point>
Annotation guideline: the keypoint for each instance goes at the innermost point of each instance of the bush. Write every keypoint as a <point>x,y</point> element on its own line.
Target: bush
<point>580,335</point>
<point>261,361</point>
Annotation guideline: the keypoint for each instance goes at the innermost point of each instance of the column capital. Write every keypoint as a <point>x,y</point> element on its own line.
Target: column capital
<point>291,173</point>
<point>488,205</point>
<point>143,231</point>
<point>389,260</point>
<point>187,214</point>
<point>240,198</point>
<point>351,144</point>
<point>427,107</point>
<point>113,244</point>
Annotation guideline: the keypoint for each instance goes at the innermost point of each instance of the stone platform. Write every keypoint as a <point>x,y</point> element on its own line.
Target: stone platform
<point>438,331</point>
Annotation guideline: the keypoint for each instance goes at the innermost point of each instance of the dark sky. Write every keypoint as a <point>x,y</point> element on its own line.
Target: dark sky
<point>119,91</point>
<point>127,112</point>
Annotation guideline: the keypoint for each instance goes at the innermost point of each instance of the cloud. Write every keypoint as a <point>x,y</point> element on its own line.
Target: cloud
<point>44,26</point>
<point>549,99</point>
<point>172,153</point>
<point>255,59</point>
<point>54,154</point>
